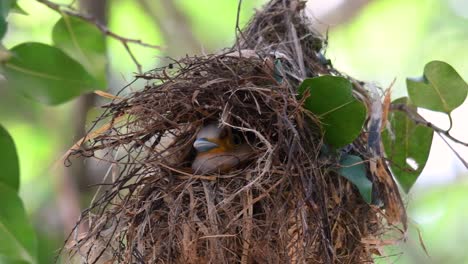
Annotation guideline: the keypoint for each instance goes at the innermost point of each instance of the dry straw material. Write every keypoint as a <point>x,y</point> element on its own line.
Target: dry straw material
<point>285,204</point>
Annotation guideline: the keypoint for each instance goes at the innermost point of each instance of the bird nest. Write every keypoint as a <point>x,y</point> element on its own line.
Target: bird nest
<point>284,203</point>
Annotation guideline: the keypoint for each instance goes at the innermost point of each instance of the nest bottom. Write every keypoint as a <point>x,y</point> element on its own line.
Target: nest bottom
<point>175,220</point>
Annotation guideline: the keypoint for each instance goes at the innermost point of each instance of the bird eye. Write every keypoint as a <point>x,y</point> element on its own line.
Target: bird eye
<point>236,139</point>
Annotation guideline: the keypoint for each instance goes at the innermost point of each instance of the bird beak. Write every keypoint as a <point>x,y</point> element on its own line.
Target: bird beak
<point>203,144</point>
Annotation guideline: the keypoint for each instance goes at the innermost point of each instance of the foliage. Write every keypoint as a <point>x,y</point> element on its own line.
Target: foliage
<point>441,88</point>
<point>3,27</point>
<point>409,155</point>
<point>5,7</point>
<point>52,75</point>
<point>78,54</point>
<point>8,161</point>
<point>331,99</point>
<point>18,240</point>
<point>47,74</point>
<point>354,169</point>
<point>84,43</point>
<point>408,141</point>
<point>56,74</point>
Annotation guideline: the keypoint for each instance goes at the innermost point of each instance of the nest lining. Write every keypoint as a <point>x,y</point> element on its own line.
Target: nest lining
<point>286,204</point>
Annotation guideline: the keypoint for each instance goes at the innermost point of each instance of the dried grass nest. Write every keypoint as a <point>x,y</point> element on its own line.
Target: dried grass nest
<point>287,205</point>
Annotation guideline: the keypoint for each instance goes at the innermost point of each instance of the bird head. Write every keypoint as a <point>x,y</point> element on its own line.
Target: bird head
<point>218,149</point>
<point>212,138</point>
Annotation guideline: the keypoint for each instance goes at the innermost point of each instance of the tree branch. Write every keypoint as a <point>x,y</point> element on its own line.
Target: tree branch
<point>68,10</point>
<point>453,150</point>
<point>418,119</point>
<point>342,13</point>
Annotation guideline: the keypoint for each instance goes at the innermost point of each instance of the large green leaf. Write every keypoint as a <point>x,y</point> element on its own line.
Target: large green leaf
<point>5,6</point>
<point>17,237</point>
<point>3,27</point>
<point>46,74</point>
<point>17,9</point>
<point>441,88</point>
<point>9,174</point>
<point>9,260</point>
<point>353,169</point>
<point>332,101</point>
<point>83,42</point>
<point>408,148</point>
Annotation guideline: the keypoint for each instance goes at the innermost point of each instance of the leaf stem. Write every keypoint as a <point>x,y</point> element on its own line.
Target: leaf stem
<point>451,122</point>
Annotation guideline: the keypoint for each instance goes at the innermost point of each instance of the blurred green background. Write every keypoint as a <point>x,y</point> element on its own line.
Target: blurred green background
<point>371,40</point>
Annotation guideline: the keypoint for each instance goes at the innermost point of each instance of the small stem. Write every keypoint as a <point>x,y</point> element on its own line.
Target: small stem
<point>138,65</point>
<point>68,10</point>
<point>451,123</point>
<point>418,119</point>
<point>238,30</point>
<point>454,151</point>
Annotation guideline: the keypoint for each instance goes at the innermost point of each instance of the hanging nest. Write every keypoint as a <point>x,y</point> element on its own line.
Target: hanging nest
<point>286,203</point>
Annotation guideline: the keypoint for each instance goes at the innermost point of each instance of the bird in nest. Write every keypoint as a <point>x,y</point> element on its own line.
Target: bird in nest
<point>219,150</point>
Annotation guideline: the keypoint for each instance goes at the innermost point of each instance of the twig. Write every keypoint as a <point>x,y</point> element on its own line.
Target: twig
<point>134,59</point>
<point>418,119</point>
<point>454,151</point>
<point>238,30</point>
<point>68,10</point>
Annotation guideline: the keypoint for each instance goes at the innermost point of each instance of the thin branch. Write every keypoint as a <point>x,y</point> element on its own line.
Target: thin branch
<point>453,150</point>
<point>68,10</point>
<point>418,119</point>
<point>134,59</point>
<point>238,29</point>
<point>339,15</point>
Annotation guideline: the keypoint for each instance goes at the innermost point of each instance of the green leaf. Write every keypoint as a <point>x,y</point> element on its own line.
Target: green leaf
<point>332,101</point>
<point>17,237</point>
<point>353,169</point>
<point>441,88</point>
<point>17,9</point>
<point>408,148</point>
<point>5,6</point>
<point>47,74</point>
<point>83,42</point>
<point>9,174</point>
<point>8,260</point>
<point>278,72</point>
<point>3,27</point>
